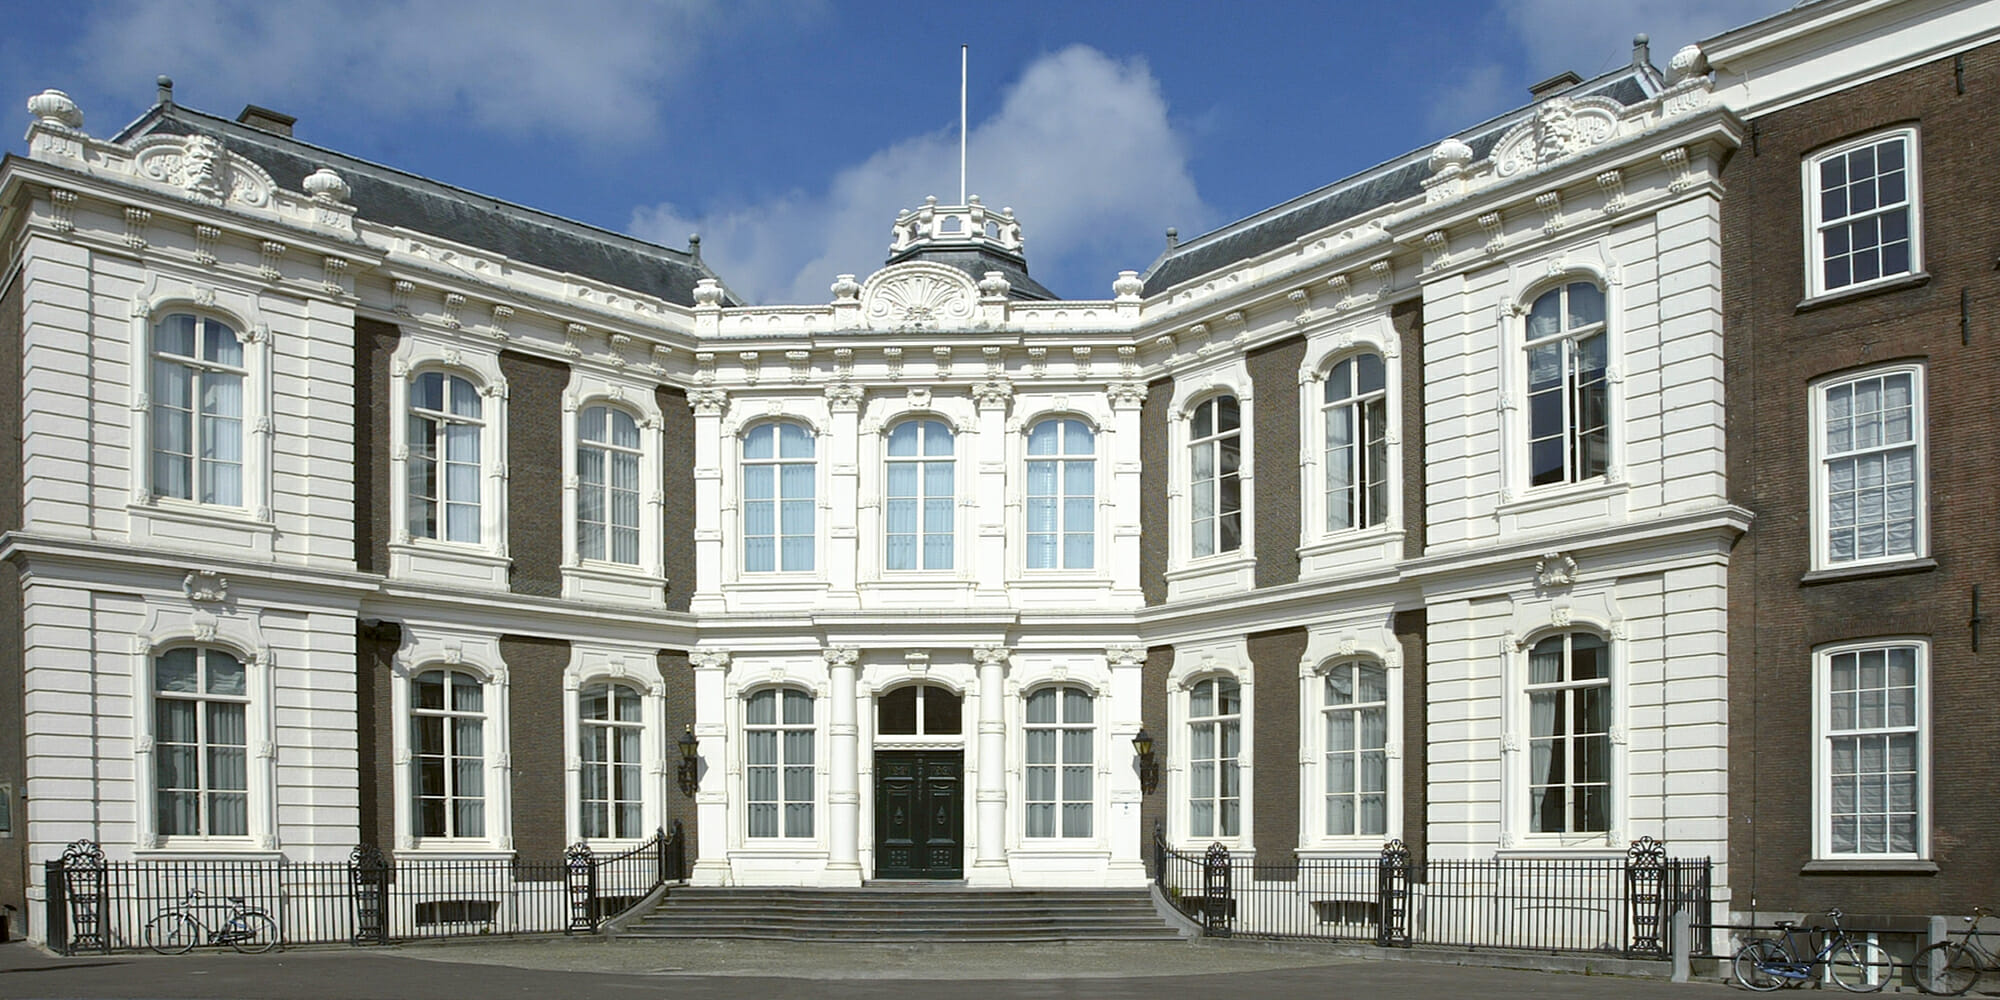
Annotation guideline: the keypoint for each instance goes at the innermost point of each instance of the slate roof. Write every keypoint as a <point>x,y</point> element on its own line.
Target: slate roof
<point>393,197</point>
<point>1379,186</point>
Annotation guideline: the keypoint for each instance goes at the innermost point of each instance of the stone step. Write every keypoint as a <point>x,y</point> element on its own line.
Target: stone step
<point>900,913</point>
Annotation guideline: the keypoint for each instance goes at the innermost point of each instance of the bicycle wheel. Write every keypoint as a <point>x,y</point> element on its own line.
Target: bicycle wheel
<point>1753,965</point>
<point>172,933</point>
<point>252,933</point>
<point>1860,966</point>
<point>1946,969</point>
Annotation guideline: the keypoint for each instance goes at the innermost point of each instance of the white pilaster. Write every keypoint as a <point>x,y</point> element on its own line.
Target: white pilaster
<point>989,866</point>
<point>990,557</point>
<point>711,727</point>
<point>844,782</point>
<point>842,508</point>
<point>1123,454</point>
<point>1127,688</point>
<point>708,451</point>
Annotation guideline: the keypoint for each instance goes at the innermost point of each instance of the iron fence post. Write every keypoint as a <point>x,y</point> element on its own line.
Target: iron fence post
<point>1392,896</point>
<point>83,873</point>
<point>1217,898</point>
<point>368,887</point>
<point>55,908</point>
<point>582,884</point>
<point>1645,870</point>
<point>678,864</point>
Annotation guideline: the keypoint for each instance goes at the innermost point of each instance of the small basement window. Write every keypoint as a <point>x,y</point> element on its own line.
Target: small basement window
<point>456,911</point>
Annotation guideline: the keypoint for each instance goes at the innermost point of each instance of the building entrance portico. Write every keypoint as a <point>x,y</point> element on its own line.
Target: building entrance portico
<point>919,783</point>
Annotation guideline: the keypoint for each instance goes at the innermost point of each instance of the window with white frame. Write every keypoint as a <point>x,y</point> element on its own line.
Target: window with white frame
<point>610,728</point>
<point>201,778</point>
<point>1873,750</point>
<point>1569,734</point>
<point>446,424</point>
<point>448,753</point>
<point>918,505</point>
<point>1215,484</point>
<point>1354,710</point>
<point>778,739</point>
<point>1870,439</point>
<point>779,506</point>
<point>1861,200</point>
<point>1215,742</point>
<point>1569,435</point>
<point>197,410</point>
<point>1060,735</point>
<point>1355,412</point>
<point>607,495</point>
<point>1062,495</point>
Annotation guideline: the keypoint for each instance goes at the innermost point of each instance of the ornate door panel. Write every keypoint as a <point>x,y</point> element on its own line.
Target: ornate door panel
<point>920,814</point>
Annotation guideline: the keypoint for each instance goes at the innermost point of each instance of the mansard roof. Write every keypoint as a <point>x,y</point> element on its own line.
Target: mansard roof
<point>1360,194</point>
<point>395,198</point>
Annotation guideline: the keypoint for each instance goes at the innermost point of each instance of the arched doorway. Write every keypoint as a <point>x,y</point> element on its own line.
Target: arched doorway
<point>919,783</point>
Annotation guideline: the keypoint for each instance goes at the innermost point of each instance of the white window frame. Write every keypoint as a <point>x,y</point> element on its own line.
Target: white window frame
<point>1823,735</point>
<point>1193,663</point>
<point>819,813</point>
<point>1517,737</point>
<point>1822,479</point>
<point>172,522</point>
<point>203,742</point>
<point>634,667</point>
<point>923,421</point>
<point>1318,797</point>
<point>1189,575</point>
<point>430,647</point>
<point>483,564</point>
<point>201,370</point>
<point>442,420</point>
<point>602,579</point>
<point>743,464</point>
<point>1061,461</point>
<point>1817,225</point>
<point>1568,339</point>
<point>1061,726</point>
<point>1212,443</point>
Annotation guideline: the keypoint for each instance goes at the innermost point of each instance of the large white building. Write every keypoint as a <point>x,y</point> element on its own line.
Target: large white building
<point>350,507</point>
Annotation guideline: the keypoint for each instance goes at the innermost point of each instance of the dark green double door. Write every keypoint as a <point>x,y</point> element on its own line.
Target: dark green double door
<point>920,814</point>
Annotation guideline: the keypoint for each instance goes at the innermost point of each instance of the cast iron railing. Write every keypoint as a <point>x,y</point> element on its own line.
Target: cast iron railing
<point>100,905</point>
<point>1621,905</point>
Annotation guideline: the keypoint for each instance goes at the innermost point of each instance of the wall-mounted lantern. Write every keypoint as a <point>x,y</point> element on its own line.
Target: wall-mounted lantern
<point>1149,766</point>
<point>690,770</point>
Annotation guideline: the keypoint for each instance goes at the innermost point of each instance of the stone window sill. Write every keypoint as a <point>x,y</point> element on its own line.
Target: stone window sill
<point>1870,866</point>
<point>1895,568</point>
<point>1913,280</point>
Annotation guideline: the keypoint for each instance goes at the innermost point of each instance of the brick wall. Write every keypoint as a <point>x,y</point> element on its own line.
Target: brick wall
<point>375,646</point>
<point>1410,634</point>
<point>1154,474</point>
<point>1774,351</point>
<point>534,709</point>
<point>1153,718</point>
<point>1275,762</point>
<point>1274,419</point>
<point>1407,318</point>
<point>374,342</point>
<point>535,389</point>
<point>677,496</point>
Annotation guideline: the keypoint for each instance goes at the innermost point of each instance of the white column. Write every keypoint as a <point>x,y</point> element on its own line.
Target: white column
<point>989,867</point>
<point>989,557</point>
<point>842,508</point>
<point>1123,711</point>
<point>1121,452</point>
<point>711,728</point>
<point>708,511</point>
<point>844,782</point>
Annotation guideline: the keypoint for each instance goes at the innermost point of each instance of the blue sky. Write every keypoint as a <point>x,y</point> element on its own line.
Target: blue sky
<point>788,133</point>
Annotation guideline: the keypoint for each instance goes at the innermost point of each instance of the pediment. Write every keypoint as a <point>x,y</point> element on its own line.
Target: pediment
<point>202,169</point>
<point>1560,127</point>
<point>918,295</point>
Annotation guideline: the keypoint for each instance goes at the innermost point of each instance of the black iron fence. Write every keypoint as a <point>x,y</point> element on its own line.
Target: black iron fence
<point>99,905</point>
<point>1622,905</point>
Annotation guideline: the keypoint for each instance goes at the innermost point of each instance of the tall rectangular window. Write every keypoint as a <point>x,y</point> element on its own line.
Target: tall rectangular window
<point>1569,734</point>
<point>1873,750</point>
<point>1059,734</point>
<point>1869,436</point>
<point>445,426</point>
<point>1569,437</point>
<point>610,729</point>
<point>448,753</point>
<point>918,503</point>
<point>1355,711</point>
<point>778,739</point>
<point>201,775</point>
<point>778,504</point>
<point>1355,411</point>
<point>197,410</point>
<point>1215,743</point>
<point>1062,495</point>
<point>1215,476</point>
<point>607,492</point>
<point>1862,199</point>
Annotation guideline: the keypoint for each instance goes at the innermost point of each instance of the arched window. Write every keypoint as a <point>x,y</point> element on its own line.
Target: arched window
<point>1215,484</point>
<point>1569,734</point>
<point>201,776</point>
<point>778,741</point>
<point>607,495</point>
<point>444,468</point>
<point>1356,414</point>
<point>1569,436</point>
<point>778,502</point>
<point>1061,495</point>
<point>917,496</point>
<point>1355,711</point>
<point>1060,736</point>
<point>610,789</point>
<point>925,709</point>
<point>1215,742</point>
<point>197,410</point>
<point>448,753</point>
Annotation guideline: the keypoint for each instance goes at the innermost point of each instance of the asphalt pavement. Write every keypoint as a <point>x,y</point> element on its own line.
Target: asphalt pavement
<point>590,968</point>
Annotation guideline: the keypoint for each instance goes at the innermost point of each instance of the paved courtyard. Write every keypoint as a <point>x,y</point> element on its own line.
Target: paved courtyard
<point>588,969</point>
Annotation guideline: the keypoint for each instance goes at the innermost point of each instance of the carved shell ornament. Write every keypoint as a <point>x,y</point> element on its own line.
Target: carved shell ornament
<point>202,169</point>
<point>1560,127</point>
<point>919,297</point>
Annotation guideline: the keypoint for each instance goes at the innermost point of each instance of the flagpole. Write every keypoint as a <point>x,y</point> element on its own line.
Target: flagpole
<point>961,122</point>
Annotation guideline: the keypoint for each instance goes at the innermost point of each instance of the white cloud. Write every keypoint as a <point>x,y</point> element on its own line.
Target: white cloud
<point>1082,148</point>
<point>593,69</point>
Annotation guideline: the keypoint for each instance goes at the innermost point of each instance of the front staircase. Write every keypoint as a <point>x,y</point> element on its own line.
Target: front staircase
<point>904,914</point>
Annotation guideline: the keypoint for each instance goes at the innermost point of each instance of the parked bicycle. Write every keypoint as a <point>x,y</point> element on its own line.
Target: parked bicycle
<point>1856,965</point>
<point>1949,968</point>
<point>244,928</point>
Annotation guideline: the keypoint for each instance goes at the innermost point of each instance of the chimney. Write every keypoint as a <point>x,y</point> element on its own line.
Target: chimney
<point>266,119</point>
<point>1554,85</point>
